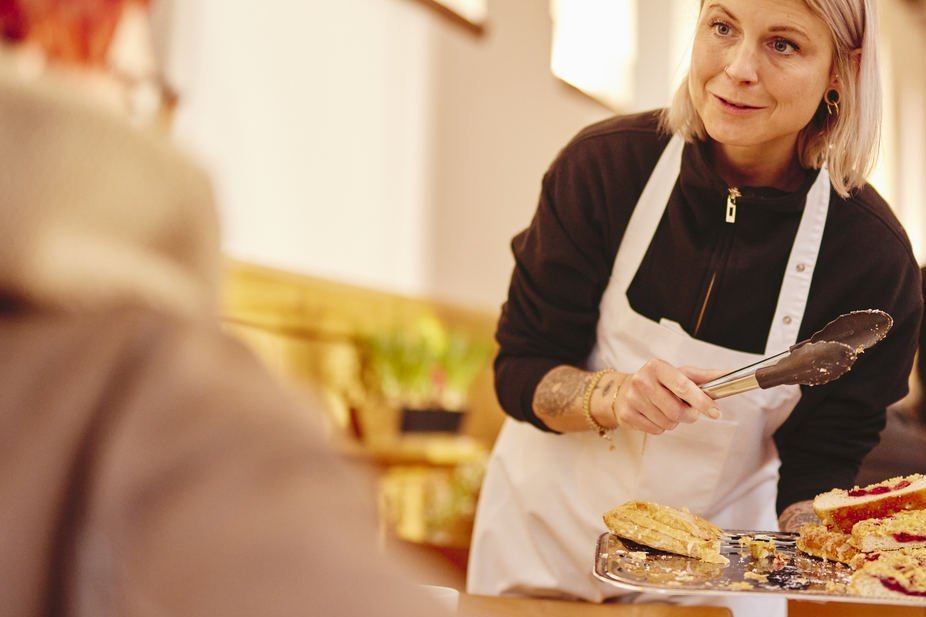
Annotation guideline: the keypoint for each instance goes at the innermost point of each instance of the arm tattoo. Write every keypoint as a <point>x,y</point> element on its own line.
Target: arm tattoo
<point>607,388</point>
<point>560,391</point>
<point>796,515</point>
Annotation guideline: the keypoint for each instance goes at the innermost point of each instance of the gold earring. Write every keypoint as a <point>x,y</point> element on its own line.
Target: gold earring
<point>831,98</point>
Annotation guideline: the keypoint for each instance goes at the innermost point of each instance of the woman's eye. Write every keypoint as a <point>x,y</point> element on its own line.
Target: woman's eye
<point>783,46</point>
<point>721,28</point>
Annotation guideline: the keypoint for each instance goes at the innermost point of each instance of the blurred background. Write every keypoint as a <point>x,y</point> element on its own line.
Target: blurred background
<point>372,160</point>
<point>390,144</point>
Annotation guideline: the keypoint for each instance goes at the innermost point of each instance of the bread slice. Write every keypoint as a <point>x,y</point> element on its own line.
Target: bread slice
<point>832,545</point>
<point>667,529</point>
<point>893,574</point>
<point>842,509</point>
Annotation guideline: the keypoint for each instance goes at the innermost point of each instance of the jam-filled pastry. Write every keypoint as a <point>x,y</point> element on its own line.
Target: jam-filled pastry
<point>892,574</point>
<point>841,509</point>
<point>902,529</point>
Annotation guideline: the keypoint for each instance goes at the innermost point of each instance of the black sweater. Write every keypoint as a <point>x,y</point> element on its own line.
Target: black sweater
<point>563,261</point>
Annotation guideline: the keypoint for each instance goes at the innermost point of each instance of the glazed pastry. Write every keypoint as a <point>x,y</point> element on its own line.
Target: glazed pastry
<point>667,529</point>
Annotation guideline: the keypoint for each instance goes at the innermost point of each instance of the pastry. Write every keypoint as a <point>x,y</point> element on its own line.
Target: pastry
<point>832,545</point>
<point>902,529</point>
<point>892,574</point>
<point>667,529</point>
<point>841,509</point>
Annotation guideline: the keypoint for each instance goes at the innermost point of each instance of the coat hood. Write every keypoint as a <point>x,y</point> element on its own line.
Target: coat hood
<point>94,211</point>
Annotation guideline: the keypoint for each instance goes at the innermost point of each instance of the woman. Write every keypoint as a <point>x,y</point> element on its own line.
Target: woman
<point>151,465</point>
<point>720,231</point>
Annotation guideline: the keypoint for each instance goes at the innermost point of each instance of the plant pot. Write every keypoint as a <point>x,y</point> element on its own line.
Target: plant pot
<point>430,420</point>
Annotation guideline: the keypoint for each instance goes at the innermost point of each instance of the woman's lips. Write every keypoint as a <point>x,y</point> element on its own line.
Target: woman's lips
<point>734,107</point>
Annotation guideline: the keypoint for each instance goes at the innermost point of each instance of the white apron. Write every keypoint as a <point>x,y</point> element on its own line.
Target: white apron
<point>541,505</point>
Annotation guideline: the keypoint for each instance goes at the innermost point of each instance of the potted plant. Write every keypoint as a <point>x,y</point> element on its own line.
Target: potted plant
<point>426,372</point>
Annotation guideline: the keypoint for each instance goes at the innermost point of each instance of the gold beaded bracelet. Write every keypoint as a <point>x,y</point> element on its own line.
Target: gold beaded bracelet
<point>602,430</point>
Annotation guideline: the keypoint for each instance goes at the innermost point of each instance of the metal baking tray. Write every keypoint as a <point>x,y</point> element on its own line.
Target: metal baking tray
<point>634,567</point>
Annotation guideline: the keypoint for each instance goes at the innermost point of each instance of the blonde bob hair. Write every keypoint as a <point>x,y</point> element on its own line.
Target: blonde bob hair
<point>847,141</point>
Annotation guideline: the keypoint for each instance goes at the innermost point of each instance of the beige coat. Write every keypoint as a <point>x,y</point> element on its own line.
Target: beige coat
<point>149,465</point>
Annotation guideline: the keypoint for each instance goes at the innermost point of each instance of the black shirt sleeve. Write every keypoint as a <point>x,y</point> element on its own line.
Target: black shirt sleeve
<point>560,272</point>
<point>563,260</point>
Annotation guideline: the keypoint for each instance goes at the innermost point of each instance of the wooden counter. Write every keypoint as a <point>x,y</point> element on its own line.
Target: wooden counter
<point>492,606</point>
<point>846,609</point>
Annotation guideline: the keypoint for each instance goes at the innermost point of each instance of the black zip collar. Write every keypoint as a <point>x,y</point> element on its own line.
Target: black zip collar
<point>701,184</point>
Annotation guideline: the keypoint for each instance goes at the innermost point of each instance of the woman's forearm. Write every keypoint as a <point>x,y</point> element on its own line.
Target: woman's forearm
<point>796,515</point>
<point>655,399</point>
<point>558,399</point>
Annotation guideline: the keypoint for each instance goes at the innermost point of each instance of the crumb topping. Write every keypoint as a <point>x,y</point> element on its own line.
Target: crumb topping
<point>907,524</point>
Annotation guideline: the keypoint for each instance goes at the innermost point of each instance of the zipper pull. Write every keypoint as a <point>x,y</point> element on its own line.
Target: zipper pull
<point>730,216</point>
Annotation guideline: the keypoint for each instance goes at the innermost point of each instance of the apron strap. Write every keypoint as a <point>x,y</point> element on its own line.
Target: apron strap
<point>647,213</point>
<point>795,288</point>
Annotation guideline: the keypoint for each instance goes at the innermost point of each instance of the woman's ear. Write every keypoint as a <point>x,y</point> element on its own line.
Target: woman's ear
<point>855,60</point>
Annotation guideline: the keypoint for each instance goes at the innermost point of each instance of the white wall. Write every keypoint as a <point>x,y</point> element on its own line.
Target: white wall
<point>899,176</point>
<point>500,119</point>
<point>373,141</point>
<point>313,118</point>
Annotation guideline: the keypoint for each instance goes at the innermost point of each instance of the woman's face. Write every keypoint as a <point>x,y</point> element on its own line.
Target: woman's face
<point>759,70</point>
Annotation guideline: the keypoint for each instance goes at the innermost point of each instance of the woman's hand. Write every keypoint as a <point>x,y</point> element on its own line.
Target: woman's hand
<point>656,398</point>
<point>659,396</point>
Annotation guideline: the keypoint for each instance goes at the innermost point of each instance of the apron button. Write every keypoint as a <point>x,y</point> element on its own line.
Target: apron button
<point>786,319</point>
<point>801,267</point>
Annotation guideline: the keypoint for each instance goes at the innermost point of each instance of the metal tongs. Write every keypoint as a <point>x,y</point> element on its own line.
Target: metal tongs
<point>824,357</point>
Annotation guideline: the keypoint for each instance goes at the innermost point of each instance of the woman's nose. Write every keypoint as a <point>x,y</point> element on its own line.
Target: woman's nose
<point>742,65</point>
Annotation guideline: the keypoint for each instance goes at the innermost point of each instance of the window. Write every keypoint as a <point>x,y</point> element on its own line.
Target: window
<point>595,47</point>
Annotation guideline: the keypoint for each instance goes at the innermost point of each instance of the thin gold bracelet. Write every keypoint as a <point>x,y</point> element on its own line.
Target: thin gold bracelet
<point>617,391</point>
<point>596,426</point>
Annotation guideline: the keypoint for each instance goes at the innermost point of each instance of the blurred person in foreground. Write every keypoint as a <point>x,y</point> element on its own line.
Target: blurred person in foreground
<point>711,234</point>
<point>148,463</point>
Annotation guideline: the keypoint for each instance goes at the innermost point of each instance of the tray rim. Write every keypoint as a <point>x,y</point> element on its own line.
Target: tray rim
<point>601,573</point>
